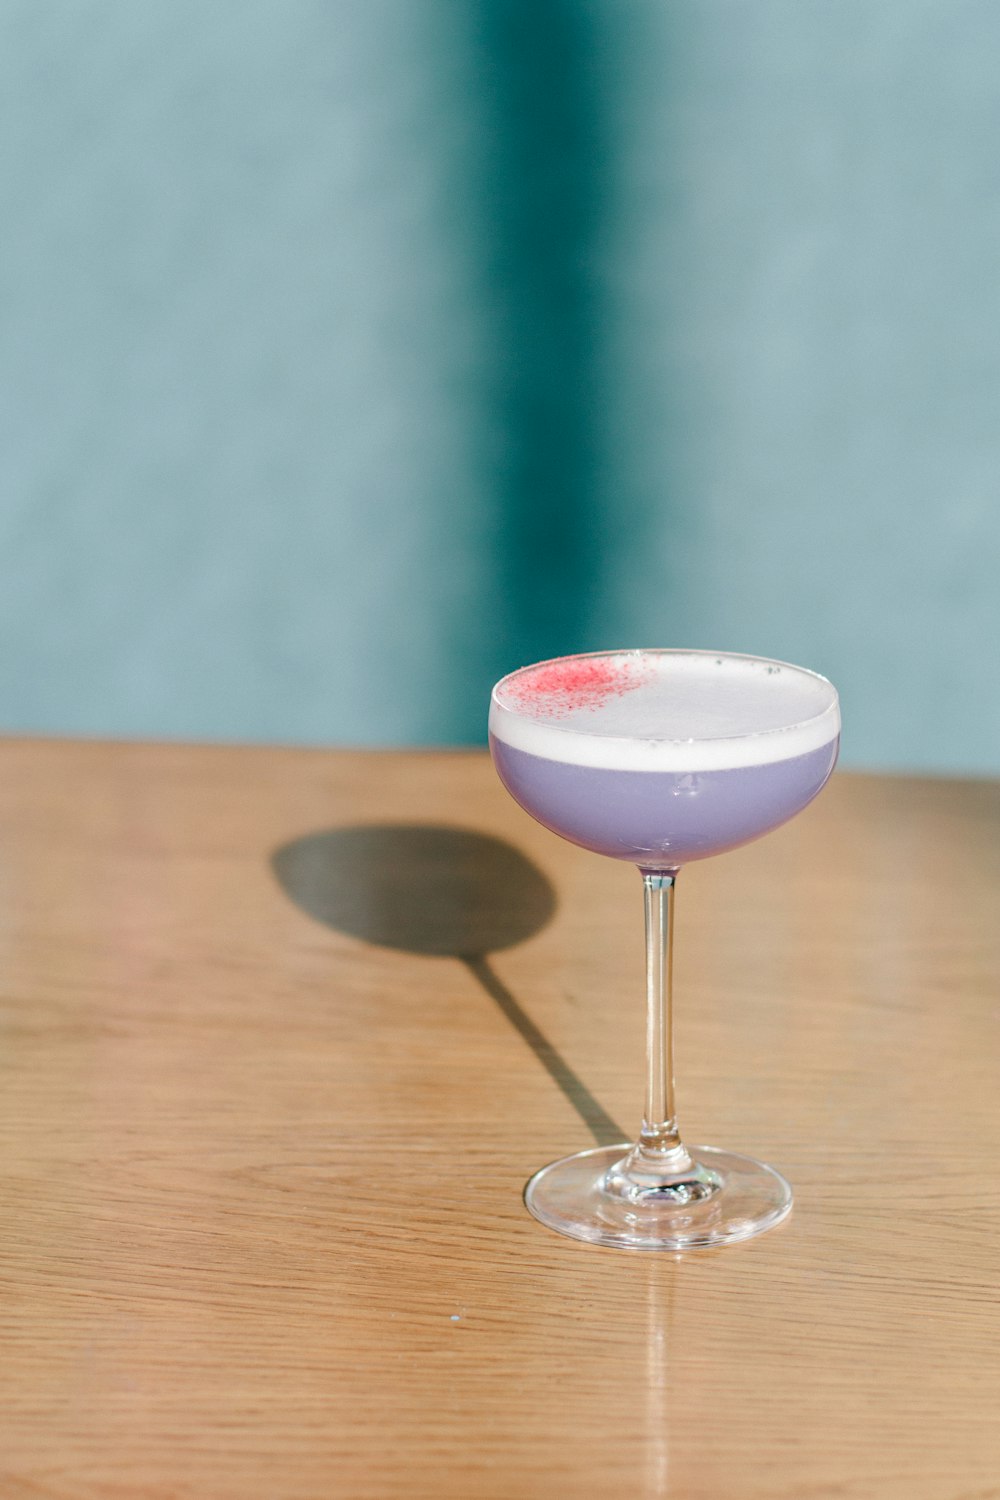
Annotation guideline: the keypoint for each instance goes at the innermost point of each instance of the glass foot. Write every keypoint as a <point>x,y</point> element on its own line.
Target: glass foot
<point>721,1199</point>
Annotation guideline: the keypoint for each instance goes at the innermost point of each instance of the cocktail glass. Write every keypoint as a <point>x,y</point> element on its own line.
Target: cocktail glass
<point>660,758</point>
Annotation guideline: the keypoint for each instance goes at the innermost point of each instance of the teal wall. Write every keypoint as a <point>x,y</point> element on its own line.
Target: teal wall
<point>352,353</point>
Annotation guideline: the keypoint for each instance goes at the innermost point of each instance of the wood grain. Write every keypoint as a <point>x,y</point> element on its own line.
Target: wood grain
<point>264,1128</point>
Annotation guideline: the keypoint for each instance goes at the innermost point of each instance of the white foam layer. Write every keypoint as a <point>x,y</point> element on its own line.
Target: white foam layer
<point>665,710</point>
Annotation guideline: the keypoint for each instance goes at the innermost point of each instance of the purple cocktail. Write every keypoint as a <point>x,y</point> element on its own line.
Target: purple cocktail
<point>660,820</point>
<point>660,758</point>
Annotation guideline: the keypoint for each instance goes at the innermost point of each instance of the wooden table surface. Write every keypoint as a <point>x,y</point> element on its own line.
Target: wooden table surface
<point>283,1033</point>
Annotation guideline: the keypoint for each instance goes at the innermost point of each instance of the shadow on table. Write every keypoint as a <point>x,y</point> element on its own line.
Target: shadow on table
<point>444,892</point>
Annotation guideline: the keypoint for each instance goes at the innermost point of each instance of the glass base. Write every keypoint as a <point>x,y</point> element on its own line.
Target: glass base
<point>718,1199</point>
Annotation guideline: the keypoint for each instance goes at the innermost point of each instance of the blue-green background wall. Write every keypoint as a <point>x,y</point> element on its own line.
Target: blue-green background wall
<point>352,353</point>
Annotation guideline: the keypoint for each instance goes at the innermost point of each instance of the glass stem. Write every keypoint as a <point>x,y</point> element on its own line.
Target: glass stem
<point>658,1172</point>
<point>659,1144</point>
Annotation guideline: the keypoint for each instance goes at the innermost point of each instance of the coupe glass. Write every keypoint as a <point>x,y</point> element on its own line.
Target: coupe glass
<point>659,758</point>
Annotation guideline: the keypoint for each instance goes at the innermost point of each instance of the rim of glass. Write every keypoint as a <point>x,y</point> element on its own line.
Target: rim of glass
<point>747,734</point>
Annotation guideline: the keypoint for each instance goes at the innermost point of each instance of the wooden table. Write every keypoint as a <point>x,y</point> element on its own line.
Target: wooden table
<point>283,1035</point>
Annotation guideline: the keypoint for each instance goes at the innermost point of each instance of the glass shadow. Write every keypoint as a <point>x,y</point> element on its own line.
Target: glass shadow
<point>442,892</point>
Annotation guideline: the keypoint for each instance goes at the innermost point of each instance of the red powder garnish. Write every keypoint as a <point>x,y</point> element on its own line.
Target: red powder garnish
<point>560,687</point>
